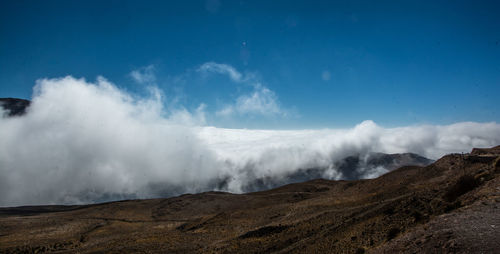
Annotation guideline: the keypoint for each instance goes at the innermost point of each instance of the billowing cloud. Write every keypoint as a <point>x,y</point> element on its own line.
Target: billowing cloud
<point>144,75</point>
<point>86,141</point>
<point>82,142</point>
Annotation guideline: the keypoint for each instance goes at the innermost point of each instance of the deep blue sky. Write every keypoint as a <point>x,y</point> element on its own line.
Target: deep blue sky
<point>394,62</point>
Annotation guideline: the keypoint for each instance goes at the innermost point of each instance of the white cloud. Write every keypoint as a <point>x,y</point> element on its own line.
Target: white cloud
<point>88,142</point>
<point>225,69</point>
<point>144,75</point>
<point>275,152</point>
<point>228,110</point>
<point>260,101</point>
<point>183,117</point>
<point>82,141</point>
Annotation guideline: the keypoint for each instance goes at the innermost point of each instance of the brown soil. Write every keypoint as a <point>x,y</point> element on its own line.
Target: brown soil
<point>449,206</point>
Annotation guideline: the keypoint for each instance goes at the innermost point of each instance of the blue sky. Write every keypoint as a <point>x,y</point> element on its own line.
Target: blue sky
<point>303,64</point>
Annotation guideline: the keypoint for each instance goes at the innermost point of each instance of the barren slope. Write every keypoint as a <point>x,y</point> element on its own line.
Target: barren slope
<point>448,205</point>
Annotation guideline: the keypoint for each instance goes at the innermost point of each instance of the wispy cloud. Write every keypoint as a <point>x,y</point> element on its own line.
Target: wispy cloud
<point>144,75</point>
<point>225,69</point>
<point>260,101</point>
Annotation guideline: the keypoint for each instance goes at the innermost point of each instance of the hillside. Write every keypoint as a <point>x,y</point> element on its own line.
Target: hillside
<point>452,205</point>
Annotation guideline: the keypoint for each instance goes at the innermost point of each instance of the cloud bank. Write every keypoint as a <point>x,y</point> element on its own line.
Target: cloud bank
<point>84,142</point>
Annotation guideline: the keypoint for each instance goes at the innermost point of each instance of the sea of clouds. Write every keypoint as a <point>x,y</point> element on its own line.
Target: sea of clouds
<point>84,142</point>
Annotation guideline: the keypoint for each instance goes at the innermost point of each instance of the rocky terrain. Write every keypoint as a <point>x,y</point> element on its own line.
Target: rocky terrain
<point>14,106</point>
<point>450,206</point>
